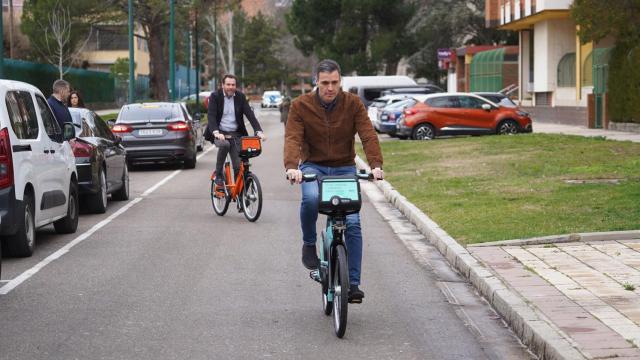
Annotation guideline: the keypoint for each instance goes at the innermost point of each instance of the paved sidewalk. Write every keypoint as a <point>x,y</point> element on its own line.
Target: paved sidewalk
<point>589,290</point>
<point>540,127</point>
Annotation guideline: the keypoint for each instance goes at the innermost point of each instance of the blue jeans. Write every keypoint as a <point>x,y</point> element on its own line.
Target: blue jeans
<point>309,216</point>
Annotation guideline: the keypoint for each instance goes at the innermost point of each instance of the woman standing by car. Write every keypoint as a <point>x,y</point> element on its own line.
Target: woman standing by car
<point>75,100</point>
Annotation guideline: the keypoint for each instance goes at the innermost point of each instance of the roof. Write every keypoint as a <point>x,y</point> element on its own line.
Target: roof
<point>13,84</point>
<point>381,81</point>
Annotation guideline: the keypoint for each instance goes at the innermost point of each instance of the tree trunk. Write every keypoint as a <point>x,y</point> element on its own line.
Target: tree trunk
<point>158,63</point>
<point>392,67</point>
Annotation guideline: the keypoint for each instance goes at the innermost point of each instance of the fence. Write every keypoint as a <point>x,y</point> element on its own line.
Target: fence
<point>95,86</point>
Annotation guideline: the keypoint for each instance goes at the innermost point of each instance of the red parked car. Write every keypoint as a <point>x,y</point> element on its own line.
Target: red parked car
<point>460,114</point>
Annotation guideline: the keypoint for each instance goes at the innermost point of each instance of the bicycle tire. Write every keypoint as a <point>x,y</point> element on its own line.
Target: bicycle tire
<point>341,290</point>
<point>327,306</point>
<point>220,204</point>
<point>251,198</point>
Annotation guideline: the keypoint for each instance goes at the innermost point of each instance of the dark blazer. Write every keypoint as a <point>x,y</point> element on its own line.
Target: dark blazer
<point>242,108</point>
<point>60,111</point>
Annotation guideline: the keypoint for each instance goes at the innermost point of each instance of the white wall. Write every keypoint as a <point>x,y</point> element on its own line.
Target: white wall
<point>552,40</point>
<point>552,5</point>
<point>452,82</point>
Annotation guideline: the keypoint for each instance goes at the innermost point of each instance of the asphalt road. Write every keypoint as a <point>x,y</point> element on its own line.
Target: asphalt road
<point>163,277</point>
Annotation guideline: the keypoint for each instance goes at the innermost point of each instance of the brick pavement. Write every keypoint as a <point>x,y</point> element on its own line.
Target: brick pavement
<point>589,291</point>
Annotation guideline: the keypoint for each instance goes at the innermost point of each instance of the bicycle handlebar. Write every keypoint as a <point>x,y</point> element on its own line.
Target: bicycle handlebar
<point>313,177</point>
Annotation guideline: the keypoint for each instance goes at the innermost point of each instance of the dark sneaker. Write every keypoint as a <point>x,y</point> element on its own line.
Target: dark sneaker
<point>309,257</point>
<point>355,294</point>
<point>219,185</point>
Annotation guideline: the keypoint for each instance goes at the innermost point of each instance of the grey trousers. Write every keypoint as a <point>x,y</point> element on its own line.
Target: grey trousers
<point>229,146</point>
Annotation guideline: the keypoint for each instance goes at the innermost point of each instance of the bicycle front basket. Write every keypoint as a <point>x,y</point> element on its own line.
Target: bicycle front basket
<point>339,195</point>
<point>250,146</point>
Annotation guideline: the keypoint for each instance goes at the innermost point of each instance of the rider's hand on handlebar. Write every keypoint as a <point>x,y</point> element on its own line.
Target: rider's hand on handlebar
<point>261,135</point>
<point>378,173</point>
<point>294,176</point>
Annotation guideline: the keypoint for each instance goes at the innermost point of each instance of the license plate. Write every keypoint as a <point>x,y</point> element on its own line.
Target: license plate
<point>150,132</point>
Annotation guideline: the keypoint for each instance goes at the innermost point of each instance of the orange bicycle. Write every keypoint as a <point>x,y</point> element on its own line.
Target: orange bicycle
<point>245,190</point>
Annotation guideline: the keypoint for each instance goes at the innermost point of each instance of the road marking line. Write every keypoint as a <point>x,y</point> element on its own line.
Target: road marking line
<point>15,282</point>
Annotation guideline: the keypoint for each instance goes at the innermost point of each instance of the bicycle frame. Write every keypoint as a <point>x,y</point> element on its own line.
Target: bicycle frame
<point>235,186</point>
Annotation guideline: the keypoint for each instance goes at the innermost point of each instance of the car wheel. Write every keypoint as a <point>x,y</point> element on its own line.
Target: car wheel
<point>423,132</point>
<point>23,242</point>
<point>190,163</point>
<point>69,223</point>
<point>123,193</point>
<point>508,127</point>
<point>97,202</point>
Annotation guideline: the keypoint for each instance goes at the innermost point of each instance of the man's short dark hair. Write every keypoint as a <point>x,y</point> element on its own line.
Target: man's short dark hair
<point>229,76</point>
<point>326,65</point>
<point>60,85</point>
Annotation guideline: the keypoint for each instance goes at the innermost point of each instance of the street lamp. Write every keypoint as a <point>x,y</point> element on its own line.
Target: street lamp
<point>172,68</point>
<point>132,80</point>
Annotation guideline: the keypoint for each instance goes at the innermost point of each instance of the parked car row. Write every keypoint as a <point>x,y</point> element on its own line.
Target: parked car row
<point>46,172</point>
<point>423,117</point>
<point>38,177</point>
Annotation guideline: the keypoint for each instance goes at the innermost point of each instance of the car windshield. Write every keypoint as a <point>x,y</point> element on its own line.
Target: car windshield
<point>150,113</point>
<point>268,94</point>
<point>501,100</point>
<point>80,124</point>
<point>401,104</point>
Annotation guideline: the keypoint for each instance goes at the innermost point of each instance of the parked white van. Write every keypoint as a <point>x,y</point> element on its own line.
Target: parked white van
<point>371,87</point>
<point>38,181</point>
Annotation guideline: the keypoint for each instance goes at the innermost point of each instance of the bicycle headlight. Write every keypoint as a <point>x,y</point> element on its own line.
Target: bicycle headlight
<point>335,201</point>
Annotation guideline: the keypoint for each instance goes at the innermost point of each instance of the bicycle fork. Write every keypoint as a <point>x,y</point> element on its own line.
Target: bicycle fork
<point>333,231</point>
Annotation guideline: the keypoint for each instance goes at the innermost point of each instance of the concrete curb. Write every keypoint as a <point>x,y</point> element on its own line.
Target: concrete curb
<point>532,327</point>
<point>583,237</point>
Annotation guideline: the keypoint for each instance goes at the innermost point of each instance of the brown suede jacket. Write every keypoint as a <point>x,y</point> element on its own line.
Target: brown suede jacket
<point>327,137</point>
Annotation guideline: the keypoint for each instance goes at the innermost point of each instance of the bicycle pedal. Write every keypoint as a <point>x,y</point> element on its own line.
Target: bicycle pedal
<point>315,275</point>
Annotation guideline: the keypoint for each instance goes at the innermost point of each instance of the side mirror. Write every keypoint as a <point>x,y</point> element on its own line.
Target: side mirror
<point>111,123</point>
<point>486,107</point>
<point>68,131</point>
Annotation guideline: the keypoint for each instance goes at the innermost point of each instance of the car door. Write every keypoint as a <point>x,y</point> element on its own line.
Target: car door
<point>444,113</point>
<point>476,118</point>
<point>56,190</point>
<point>114,154</point>
<point>29,159</point>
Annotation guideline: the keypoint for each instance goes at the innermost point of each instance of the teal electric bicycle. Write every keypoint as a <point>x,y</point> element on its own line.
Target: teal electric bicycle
<point>339,196</point>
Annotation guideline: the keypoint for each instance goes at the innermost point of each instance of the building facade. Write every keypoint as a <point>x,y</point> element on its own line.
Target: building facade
<point>555,71</point>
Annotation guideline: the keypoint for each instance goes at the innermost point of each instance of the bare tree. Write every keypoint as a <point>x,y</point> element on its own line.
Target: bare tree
<point>57,40</point>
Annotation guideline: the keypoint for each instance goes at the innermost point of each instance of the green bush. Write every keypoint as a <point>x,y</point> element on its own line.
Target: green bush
<point>195,106</point>
<point>624,83</point>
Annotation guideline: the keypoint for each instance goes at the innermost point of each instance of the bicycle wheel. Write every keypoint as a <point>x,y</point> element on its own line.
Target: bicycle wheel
<point>251,198</point>
<point>341,290</point>
<point>327,306</point>
<point>220,202</point>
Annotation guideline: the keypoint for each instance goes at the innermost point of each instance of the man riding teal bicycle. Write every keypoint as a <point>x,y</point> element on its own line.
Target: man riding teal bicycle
<point>319,139</point>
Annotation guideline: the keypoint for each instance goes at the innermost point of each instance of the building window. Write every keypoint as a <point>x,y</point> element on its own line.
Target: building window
<point>543,99</point>
<point>567,70</point>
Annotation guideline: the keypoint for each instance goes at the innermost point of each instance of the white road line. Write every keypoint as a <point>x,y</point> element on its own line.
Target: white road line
<point>15,282</point>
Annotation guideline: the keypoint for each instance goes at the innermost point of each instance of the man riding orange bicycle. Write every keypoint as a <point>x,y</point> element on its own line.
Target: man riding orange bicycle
<point>226,110</point>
